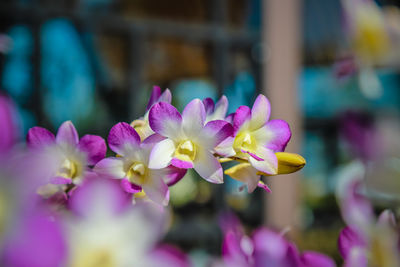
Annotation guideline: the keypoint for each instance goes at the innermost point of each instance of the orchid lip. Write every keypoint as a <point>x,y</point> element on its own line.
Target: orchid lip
<point>244,141</point>
<point>137,173</point>
<point>68,169</point>
<point>186,151</point>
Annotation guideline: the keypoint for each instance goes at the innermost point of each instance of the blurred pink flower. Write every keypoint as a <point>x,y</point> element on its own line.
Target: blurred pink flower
<point>264,248</point>
<point>72,156</point>
<point>366,241</point>
<point>107,230</point>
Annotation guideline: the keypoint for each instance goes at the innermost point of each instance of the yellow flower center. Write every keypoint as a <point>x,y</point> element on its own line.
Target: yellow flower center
<point>137,173</point>
<point>186,151</point>
<point>68,169</point>
<point>95,258</point>
<point>244,141</point>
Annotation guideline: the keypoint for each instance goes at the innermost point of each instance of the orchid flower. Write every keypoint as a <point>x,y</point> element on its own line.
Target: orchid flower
<point>132,164</point>
<point>367,31</point>
<point>215,111</point>
<point>73,155</point>
<point>366,241</point>
<point>256,139</point>
<point>141,125</point>
<point>257,144</point>
<point>266,248</point>
<point>189,141</point>
<point>108,232</point>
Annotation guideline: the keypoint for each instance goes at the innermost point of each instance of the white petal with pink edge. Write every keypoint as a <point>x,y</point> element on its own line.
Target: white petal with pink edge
<point>260,112</point>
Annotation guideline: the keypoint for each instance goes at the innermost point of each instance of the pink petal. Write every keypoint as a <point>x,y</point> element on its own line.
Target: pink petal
<point>165,120</point>
<point>208,167</point>
<point>230,117</point>
<point>123,139</point>
<point>38,137</point>
<point>36,240</point>
<point>349,239</point>
<point>215,132</point>
<point>193,117</point>
<point>270,245</point>
<point>181,163</point>
<point>113,167</point>
<point>264,186</point>
<point>166,96</point>
<point>173,175</point>
<point>221,108</point>
<point>241,118</point>
<point>67,134</point>
<point>356,209</point>
<point>155,95</point>
<point>98,196</point>
<point>94,146</point>
<point>274,135</point>
<point>209,105</point>
<point>153,139</point>
<point>231,249</point>
<point>129,187</point>
<point>161,154</point>
<point>260,112</point>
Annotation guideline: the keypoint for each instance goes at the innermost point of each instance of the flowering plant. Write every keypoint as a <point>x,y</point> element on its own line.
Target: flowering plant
<point>70,205</point>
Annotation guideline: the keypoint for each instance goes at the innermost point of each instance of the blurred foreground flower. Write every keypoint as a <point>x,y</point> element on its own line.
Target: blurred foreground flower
<point>108,232</point>
<point>265,248</point>
<point>73,155</point>
<point>366,241</point>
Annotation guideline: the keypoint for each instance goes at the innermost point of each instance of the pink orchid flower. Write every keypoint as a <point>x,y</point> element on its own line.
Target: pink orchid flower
<point>73,156</point>
<point>265,248</point>
<point>365,241</point>
<point>132,164</point>
<point>189,141</point>
<point>256,138</point>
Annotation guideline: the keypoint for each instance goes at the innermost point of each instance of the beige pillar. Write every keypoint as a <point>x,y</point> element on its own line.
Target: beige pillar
<point>282,50</point>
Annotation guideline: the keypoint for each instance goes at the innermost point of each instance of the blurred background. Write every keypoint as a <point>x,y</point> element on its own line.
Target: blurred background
<point>330,68</point>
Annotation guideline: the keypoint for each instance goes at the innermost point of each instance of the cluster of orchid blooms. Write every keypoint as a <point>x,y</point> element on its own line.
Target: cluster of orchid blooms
<point>155,151</point>
<point>64,203</point>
